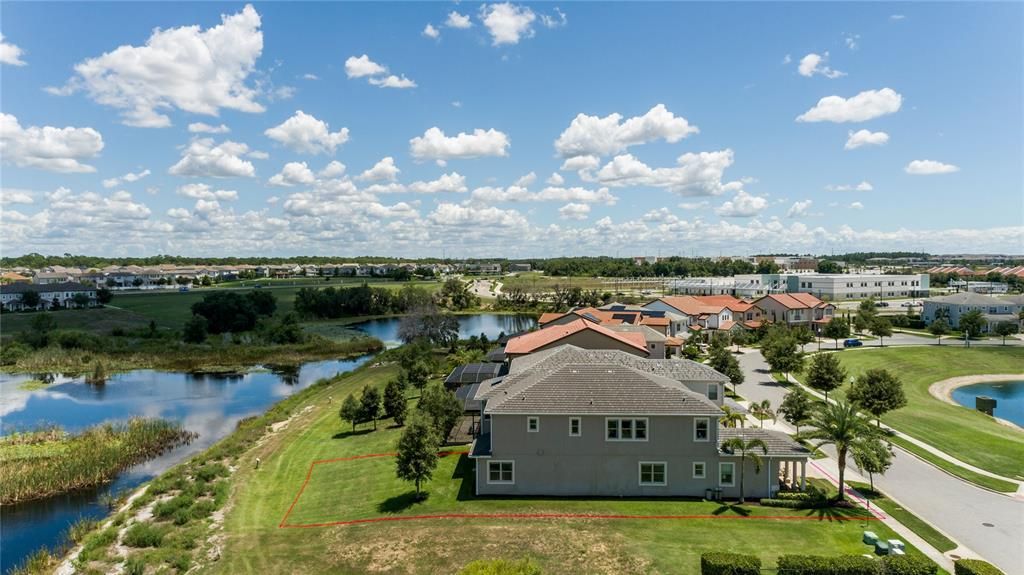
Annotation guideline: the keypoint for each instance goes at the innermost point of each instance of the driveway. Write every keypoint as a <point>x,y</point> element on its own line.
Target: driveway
<point>990,524</point>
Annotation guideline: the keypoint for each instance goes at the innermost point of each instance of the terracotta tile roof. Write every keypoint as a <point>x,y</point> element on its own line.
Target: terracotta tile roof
<point>795,300</point>
<point>648,320</point>
<point>706,304</point>
<point>549,317</point>
<point>672,341</point>
<point>529,342</point>
<point>727,324</point>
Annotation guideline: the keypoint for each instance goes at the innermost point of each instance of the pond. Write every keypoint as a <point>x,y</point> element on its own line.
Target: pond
<point>211,405</point>
<point>1009,396</point>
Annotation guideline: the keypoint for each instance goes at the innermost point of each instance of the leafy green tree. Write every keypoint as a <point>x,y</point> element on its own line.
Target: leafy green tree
<point>826,373</point>
<point>351,410</point>
<point>456,294</point>
<point>840,425</point>
<point>829,267</point>
<point>747,451</point>
<point>370,407</point>
<point>797,408</point>
<point>731,417</point>
<point>137,282</point>
<point>734,373</point>
<point>939,328</point>
<point>866,314</point>
<point>780,349</point>
<point>803,336</point>
<point>395,405</point>
<point>441,407</point>
<point>971,323</point>
<point>763,411</point>
<point>417,452</point>
<point>415,374</point>
<point>871,457</point>
<point>836,329</point>
<point>81,299</point>
<point>1006,328</point>
<point>882,328</point>
<point>194,330</point>
<point>104,295</point>
<point>31,299</point>
<point>877,391</point>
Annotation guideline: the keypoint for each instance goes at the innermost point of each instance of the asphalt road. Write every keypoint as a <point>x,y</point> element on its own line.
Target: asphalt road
<point>900,338</point>
<point>990,524</point>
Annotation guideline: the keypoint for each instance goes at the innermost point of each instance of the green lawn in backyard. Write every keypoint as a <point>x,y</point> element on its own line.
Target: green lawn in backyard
<point>908,519</point>
<point>367,488</point>
<point>964,433</point>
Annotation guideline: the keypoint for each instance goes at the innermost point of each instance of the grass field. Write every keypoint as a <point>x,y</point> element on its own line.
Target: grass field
<point>908,519</point>
<point>367,488</point>
<point>964,433</point>
<point>101,320</point>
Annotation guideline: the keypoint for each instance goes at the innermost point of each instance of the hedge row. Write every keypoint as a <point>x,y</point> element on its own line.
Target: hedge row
<point>797,495</point>
<point>854,565</point>
<point>788,503</point>
<point>720,563</point>
<point>975,567</point>
<point>907,565</point>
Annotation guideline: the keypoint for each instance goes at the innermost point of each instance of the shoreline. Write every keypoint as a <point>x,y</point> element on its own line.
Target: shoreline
<point>943,390</point>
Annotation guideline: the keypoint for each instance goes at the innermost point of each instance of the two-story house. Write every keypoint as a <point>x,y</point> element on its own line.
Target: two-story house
<point>62,294</point>
<point>576,422</point>
<point>795,309</point>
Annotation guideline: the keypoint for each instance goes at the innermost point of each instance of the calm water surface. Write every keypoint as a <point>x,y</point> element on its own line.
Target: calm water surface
<point>209,405</point>
<point>1009,396</point>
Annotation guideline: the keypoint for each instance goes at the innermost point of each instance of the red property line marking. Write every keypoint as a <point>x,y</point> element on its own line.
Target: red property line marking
<point>853,493</point>
<point>284,522</point>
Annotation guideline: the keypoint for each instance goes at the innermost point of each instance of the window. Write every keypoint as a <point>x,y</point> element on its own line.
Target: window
<point>726,474</point>
<point>653,473</point>
<point>626,429</point>
<point>574,427</point>
<point>700,429</point>
<point>533,424</point>
<point>713,391</point>
<point>501,472</point>
<point>699,470</point>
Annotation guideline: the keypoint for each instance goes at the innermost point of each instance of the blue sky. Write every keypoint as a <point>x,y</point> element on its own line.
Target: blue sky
<point>672,128</point>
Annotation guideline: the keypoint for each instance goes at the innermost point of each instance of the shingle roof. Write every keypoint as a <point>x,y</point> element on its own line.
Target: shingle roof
<point>534,340</point>
<point>649,334</point>
<point>779,444</point>
<point>971,298</point>
<point>45,288</point>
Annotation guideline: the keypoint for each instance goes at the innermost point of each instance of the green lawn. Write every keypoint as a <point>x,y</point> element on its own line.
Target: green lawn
<point>367,488</point>
<point>908,519</point>
<point>97,320</point>
<point>964,433</point>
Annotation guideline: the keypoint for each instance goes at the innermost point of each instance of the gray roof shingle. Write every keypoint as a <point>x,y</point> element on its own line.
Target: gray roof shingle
<point>779,444</point>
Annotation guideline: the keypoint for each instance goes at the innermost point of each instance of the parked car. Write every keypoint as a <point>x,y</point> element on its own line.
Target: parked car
<point>881,304</point>
<point>853,343</point>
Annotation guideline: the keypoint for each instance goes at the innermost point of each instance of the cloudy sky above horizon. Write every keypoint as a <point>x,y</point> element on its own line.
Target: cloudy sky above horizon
<point>515,130</point>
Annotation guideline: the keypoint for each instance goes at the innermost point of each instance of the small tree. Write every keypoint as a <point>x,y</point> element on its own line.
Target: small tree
<point>971,324</point>
<point>370,405</point>
<point>780,350</point>
<point>395,405</point>
<point>740,337</point>
<point>803,337</point>
<point>351,410</point>
<point>734,373</point>
<point>796,408</point>
<point>31,299</point>
<point>746,450</point>
<point>417,452</point>
<point>882,328</point>
<point>872,456</point>
<point>1005,328</point>
<point>866,314</point>
<point>877,391</point>
<point>104,295</point>
<point>836,329</point>
<point>939,328</point>
<point>441,407</point>
<point>415,373</point>
<point>731,417</point>
<point>195,330</point>
<point>81,299</point>
<point>840,425</point>
<point>763,411</point>
<point>826,373</point>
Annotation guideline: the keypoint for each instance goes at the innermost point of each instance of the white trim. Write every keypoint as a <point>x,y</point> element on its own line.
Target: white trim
<point>707,421</point>
<point>500,461</point>
<point>579,426</point>
<point>647,428</point>
<point>530,419</point>
<point>704,470</point>
<point>721,465</point>
<point>639,473</point>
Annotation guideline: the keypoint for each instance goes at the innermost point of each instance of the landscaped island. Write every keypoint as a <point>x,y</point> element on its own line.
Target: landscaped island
<point>42,463</point>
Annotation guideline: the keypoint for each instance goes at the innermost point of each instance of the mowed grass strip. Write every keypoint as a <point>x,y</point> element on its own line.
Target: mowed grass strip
<point>368,488</point>
<point>961,432</point>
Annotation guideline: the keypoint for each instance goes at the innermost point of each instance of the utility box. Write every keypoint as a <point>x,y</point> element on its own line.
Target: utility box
<point>985,404</point>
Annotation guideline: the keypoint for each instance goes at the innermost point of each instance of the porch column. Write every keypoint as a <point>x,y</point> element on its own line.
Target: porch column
<point>803,475</point>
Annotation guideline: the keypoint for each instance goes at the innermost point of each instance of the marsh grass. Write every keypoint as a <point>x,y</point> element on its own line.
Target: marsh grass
<point>43,463</point>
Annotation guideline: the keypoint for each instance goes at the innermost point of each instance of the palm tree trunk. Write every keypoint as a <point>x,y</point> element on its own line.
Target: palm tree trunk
<point>743,460</point>
<point>842,473</point>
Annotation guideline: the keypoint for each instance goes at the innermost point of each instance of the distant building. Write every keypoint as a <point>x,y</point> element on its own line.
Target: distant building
<point>482,269</point>
<point>979,287</point>
<point>519,268</point>
<point>839,287</point>
<point>61,294</point>
<point>795,309</point>
<point>995,310</point>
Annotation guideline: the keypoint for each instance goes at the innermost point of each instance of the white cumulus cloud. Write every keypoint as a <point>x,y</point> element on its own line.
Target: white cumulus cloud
<point>812,64</point>
<point>696,174</point>
<point>384,170</point>
<point>860,138</point>
<point>48,148</point>
<point>376,74</point>
<point>456,20</point>
<point>929,167</point>
<point>292,174</point>
<point>203,128</point>
<point>430,32</point>
<point>864,186</point>
<point>507,22</point>
<point>201,158</point>
<point>743,205</point>
<point>453,182</point>
<point>205,192</point>
<point>306,134</point>
<point>574,211</point>
<point>867,105</point>
<point>10,54</point>
<point>193,70</point>
<point>434,145</point>
<point>799,209</point>
<point>127,178</point>
<point>596,136</point>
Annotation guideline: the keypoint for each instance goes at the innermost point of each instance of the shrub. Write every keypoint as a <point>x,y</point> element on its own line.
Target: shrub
<point>788,503</point>
<point>720,563</point>
<point>907,565</point>
<point>211,471</point>
<point>796,495</point>
<point>975,567</point>
<point>11,353</point>
<point>79,529</point>
<point>144,535</point>
<point>134,566</point>
<point>817,565</point>
<point>172,506</point>
<point>500,567</point>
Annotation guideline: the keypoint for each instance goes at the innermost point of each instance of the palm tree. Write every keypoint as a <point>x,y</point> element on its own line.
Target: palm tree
<point>840,425</point>
<point>746,450</point>
<point>731,417</point>
<point>763,411</point>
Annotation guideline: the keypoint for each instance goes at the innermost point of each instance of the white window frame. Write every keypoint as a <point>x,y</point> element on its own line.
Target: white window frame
<point>640,473</point>
<point>703,472</point>
<point>511,463</point>
<point>530,421</point>
<point>721,466</point>
<point>579,426</point>
<point>713,386</point>
<point>618,428</point>
<point>707,422</point>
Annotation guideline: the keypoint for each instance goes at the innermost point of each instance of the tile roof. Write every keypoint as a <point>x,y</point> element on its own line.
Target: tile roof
<point>549,317</point>
<point>709,304</point>
<point>795,300</point>
<point>534,340</point>
<point>779,444</point>
<point>45,288</point>
<point>648,333</point>
<point>971,298</point>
